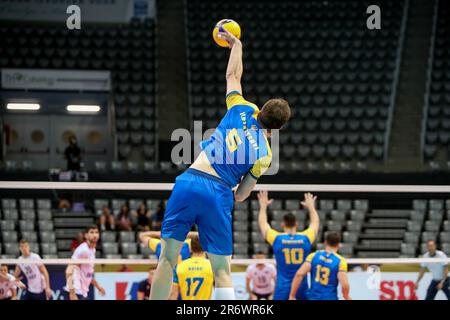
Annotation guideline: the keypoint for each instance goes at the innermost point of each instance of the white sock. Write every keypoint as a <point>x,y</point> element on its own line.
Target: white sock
<point>224,294</point>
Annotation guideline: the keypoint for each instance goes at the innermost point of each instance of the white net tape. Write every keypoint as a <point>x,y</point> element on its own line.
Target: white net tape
<point>127,186</point>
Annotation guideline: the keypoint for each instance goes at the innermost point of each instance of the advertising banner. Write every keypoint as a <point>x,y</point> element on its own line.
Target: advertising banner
<point>119,285</point>
<point>389,286</point>
<point>363,285</point>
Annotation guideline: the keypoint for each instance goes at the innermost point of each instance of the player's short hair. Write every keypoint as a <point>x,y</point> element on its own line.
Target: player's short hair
<point>289,220</point>
<point>91,227</point>
<point>259,252</point>
<point>196,247</point>
<point>332,238</point>
<point>274,113</point>
<point>431,240</point>
<point>23,241</point>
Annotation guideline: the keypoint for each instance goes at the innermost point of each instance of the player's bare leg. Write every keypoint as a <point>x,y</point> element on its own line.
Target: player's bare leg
<point>221,266</point>
<point>162,281</point>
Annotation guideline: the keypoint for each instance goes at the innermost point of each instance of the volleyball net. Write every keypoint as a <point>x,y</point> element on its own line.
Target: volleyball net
<point>384,232</point>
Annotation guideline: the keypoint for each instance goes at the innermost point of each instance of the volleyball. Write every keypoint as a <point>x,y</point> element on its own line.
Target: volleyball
<point>229,25</point>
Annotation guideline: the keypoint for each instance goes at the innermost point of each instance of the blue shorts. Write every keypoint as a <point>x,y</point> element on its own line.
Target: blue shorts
<point>282,291</point>
<point>205,200</point>
<point>314,295</point>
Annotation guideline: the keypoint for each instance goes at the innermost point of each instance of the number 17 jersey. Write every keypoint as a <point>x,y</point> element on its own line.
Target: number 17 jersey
<point>194,278</point>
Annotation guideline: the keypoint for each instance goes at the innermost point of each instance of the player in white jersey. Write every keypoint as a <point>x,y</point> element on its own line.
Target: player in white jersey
<point>80,276</point>
<point>439,272</point>
<point>38,280</point>
<point>260,279</point>
<point>8,284</point>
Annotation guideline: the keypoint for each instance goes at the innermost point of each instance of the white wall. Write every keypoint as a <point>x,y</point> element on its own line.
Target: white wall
<point>53,128</point>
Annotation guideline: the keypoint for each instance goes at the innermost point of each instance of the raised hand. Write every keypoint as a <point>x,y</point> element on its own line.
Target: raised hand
<point>309,202</point>
<point>229,37</point>
<point>263,198</point>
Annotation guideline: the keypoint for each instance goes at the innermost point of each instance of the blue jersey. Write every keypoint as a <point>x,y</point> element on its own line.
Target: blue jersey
<point>238,145</point>
<point>290,252</point>
<point>185,253</point>
<point>324,274</point>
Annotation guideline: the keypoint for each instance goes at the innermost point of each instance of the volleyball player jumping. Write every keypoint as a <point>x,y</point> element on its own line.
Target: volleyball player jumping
<point>237,153</point>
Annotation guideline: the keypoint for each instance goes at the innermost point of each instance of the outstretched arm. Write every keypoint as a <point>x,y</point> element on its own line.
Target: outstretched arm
<point>235,67</point>
<point>309,204</point>
<point>264,202</point>
<point>145,237</point>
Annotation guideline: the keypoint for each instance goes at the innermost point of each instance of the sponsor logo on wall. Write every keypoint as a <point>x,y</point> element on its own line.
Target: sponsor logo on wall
<point>392,286</point>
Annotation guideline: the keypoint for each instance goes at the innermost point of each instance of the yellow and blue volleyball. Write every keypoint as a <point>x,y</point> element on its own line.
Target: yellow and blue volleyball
<point>229,25</point>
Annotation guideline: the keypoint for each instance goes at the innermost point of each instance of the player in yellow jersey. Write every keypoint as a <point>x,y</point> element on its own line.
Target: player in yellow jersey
<point>193,278</point>
<point>328,269</point>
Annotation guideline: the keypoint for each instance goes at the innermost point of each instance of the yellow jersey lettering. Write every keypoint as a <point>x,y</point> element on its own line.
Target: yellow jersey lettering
<point>233,140</point>
<point>322,274</point>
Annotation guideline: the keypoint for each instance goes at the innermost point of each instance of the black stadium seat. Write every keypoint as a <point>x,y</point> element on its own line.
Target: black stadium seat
<point>331,82</point>
<point>437,127</point>
<point>98,47</point>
